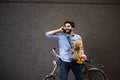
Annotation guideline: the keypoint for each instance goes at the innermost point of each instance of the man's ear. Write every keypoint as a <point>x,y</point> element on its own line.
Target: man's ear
<point>73,29</point>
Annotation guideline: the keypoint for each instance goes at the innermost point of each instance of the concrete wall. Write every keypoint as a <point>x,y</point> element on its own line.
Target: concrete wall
<point>25,50</point>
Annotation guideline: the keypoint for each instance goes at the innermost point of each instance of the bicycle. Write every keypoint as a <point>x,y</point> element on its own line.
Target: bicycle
<point>90,71</point>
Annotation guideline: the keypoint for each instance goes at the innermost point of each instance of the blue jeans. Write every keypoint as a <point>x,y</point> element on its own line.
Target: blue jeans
<point>65,67</point>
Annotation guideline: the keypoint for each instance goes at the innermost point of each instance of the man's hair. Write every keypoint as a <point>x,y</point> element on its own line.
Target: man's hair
<point>70,22</point>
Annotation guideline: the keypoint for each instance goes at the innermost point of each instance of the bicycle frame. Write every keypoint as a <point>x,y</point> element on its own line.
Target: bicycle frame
<point>86,66</point>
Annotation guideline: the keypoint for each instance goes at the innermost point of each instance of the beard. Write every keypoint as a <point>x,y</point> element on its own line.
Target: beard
<point>68,31</point>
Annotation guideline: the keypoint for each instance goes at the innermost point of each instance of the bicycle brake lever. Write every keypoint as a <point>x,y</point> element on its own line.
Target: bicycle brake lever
<point>54,48</point>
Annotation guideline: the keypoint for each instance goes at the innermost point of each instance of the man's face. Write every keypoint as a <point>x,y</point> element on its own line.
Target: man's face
<point>68,28</point>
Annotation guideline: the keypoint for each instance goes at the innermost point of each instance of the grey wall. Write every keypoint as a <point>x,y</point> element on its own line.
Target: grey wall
<point>25,50</point>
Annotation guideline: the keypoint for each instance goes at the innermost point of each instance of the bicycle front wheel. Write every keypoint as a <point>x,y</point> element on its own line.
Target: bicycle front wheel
<point>49,78</point>
<point>95,74</point>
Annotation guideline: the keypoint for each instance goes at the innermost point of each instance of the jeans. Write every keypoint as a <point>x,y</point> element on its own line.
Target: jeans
<point>65,67</point>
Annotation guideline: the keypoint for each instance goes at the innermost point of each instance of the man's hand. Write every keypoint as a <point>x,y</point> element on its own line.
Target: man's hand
<point>72,50</point>
<point>62,29</point>
<point>53,32</point>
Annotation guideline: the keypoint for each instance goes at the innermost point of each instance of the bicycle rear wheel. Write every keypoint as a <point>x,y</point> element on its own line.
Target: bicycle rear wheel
<point>95,74</point>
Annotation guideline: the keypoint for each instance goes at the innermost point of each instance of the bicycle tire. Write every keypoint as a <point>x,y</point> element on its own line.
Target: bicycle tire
<point>49,78</point>
<point>95,74</point>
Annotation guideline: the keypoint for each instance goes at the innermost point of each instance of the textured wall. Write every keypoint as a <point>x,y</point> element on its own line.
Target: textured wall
<point>25,50</point>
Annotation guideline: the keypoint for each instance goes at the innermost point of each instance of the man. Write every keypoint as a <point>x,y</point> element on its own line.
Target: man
<point>66,49</point>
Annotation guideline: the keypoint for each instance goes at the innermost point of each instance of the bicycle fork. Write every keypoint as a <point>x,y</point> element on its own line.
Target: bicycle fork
<point>52,74</point>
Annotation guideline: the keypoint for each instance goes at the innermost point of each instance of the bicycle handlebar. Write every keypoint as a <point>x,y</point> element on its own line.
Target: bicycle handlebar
<point>53,50</point>
<point>86,61</point>
<point>55,54</point>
